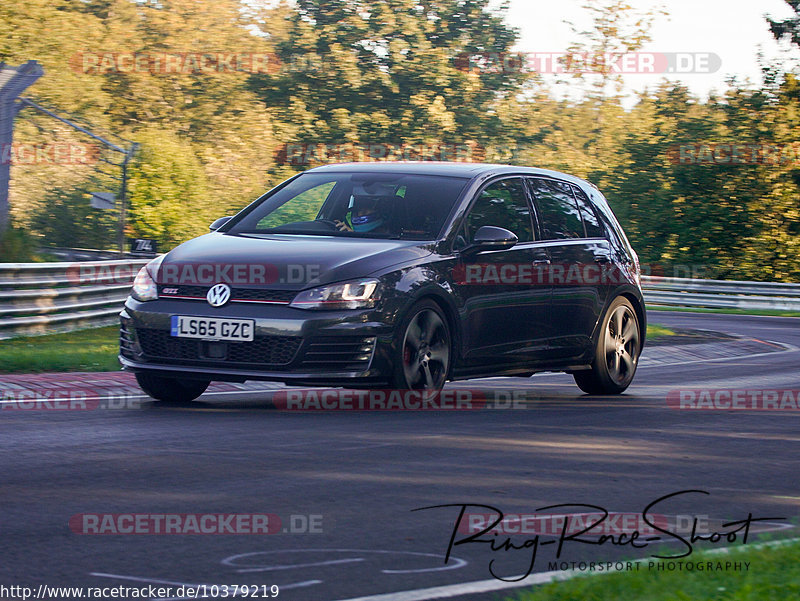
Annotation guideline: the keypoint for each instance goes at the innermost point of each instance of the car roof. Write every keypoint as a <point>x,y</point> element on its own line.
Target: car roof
<point>451,169</point>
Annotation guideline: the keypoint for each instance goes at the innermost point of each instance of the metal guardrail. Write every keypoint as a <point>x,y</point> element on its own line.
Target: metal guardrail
<point>43,298</point>
<point>91,254</point>
<point>721,294</point>
<point>85,254</point>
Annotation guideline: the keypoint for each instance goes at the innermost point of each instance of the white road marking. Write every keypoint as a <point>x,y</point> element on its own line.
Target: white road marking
<point>467,588</point>
<point>364,446</point>
<point>139,579</point>
<point>455,564</point>
<point>302,565</point>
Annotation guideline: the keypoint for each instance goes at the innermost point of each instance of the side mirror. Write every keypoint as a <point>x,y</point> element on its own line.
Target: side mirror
<point>490,237</point>
<point>219,223</point>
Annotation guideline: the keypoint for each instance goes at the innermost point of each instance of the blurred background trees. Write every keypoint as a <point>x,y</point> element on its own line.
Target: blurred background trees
<point>350,73</point>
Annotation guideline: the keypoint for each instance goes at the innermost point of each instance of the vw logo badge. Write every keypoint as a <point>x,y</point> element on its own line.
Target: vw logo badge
<point>218,295</point>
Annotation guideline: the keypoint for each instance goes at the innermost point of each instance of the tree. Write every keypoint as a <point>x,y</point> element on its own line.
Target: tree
<point>787,29</point>
<point>617,29</point>
<point>219,122</point>
<point>168,190</point>
<point>386,72</point>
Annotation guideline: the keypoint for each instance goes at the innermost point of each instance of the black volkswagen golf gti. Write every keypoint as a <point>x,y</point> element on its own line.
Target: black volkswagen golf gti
<point>404,275</point>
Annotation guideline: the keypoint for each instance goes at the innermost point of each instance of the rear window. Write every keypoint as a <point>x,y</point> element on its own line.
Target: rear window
<point>558,211</point>
<point>590,220</point>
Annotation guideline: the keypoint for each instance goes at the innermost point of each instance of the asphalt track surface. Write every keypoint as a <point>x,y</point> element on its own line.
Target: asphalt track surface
<point>360,475</point>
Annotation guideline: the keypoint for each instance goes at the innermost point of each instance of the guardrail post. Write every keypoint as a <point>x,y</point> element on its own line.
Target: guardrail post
<point>13,81</point>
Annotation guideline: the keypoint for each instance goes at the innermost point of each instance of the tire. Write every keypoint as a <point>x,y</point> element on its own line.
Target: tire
<point>423,348</point>
<point>616,354</point>
<point>171,390</point>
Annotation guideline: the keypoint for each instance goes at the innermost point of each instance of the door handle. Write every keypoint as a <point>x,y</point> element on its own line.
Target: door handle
<point>602,258</point>
<point>542,262</point>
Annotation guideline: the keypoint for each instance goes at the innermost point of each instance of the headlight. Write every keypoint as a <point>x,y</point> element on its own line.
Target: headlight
<point>360,294</point>
<point>144,286</point>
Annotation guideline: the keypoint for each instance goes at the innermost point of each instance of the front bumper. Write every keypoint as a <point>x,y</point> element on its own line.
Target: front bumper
<point>290,345</point>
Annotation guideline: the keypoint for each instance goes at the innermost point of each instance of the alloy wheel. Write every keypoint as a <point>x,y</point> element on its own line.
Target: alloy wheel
<point>621,344</point>
<point>426,351</point>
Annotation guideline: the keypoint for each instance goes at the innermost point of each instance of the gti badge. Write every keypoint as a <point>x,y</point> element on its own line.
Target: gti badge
<point>218,295</point>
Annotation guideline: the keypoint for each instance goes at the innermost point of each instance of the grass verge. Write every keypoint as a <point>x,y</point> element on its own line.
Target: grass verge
<point>763,313</point>
<point>773,573</point>
<point>84,350</point>
<point>655,330</point>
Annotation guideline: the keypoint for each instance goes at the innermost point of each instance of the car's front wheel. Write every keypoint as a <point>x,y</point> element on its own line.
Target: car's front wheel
<point>616,352</point>
<point>422,349</point>
<point>171,389</point>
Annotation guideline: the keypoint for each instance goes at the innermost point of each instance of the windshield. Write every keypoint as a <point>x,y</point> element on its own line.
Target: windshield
<point>359,205</point>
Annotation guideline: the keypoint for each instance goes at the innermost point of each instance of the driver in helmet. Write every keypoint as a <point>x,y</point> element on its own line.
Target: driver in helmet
<point>363,216</point>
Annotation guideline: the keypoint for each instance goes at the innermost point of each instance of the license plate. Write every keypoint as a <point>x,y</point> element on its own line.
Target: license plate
<point>212,328</point>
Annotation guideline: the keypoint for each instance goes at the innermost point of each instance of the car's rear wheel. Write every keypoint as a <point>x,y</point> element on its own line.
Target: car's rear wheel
<point>422,349</point>
<point>170,389</point>
<point>616,353</point>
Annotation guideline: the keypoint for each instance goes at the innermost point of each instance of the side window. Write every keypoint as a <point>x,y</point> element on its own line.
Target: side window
<point>590,221</point>
<point>558,211</point>
<point>502,204</point>
<point>303,207</point>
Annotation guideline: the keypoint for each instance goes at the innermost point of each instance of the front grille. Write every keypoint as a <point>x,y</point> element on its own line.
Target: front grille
<point>237,294</point>
<point>276,296</point>
<point>264,350</point>
<point>339,352</point>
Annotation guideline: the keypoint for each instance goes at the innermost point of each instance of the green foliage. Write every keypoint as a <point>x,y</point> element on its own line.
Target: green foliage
<point>731,220</point>
<point>226,134</point>
<point>392,72</point>
<point>386,72</point>
<point>66,219</point>
<point>16,246</point>
<point>168,190</point>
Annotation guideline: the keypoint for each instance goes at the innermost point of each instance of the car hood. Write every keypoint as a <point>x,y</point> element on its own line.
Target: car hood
<point>281,261</point>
